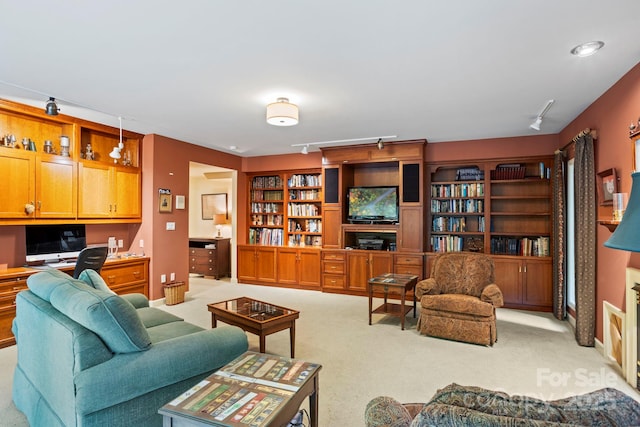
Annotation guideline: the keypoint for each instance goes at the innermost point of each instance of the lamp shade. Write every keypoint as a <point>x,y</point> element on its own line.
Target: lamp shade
<point>51,108</point>
<point>282,113</point>
<point>626,237</point>
<point>219,219</point>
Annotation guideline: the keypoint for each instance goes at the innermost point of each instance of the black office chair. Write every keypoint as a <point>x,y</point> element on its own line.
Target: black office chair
<point>90,258</point>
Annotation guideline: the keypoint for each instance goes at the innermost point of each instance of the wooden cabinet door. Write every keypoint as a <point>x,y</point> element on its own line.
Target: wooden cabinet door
<point>357,270</point>
<point>288,266</point>
<point>331,227</point>
<point>380,263</point>
<point>127,194</point>
<point>508,274</point>
<point>410,231</point>
<point>309,265</point>
<point>247,263</point>
<point>56,195</point>
<point>266,264</point>
<point>17,185</point>
<point>94,195</point>
<point>538,283</point>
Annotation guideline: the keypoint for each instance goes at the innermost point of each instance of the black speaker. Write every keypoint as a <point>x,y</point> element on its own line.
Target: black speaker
<point>331,191</point>
<point>411,183</point>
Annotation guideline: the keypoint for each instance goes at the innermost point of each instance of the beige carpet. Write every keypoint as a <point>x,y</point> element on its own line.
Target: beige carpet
<point>535,354</point>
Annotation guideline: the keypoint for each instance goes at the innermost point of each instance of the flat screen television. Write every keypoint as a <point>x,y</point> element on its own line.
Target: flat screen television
<point>373,204</point>
<point>53,243</point>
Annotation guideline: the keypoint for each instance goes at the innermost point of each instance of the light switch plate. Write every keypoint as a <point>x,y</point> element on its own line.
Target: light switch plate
<point>171,225</point>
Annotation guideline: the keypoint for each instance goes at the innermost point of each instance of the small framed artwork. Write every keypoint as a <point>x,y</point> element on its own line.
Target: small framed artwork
<point>607,185</point>
<point>636,155</point>
<point>164,200</point>
<point>213,204</point>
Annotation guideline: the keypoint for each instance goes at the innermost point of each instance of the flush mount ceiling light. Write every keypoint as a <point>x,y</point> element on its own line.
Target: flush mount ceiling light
<point>51,108</point>
<point>536,125</point>
<point>282,113</point>
<point>587,49</point>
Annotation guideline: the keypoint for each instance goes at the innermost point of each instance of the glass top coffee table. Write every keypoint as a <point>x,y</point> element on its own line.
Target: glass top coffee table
<point>257,317</point>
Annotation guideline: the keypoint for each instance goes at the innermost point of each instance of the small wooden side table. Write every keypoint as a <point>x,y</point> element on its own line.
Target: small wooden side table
<point>396,284</point>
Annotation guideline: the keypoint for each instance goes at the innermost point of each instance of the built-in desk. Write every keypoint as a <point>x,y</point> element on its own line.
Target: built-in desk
<point>122,275</point>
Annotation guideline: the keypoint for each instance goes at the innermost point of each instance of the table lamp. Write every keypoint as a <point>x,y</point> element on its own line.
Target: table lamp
<point>218,220</point>
<point>626,237</point>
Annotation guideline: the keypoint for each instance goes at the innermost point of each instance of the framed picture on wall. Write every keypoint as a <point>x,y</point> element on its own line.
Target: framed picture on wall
<point>607,185</point>
<point>164,200</point>
<point>213,204</point>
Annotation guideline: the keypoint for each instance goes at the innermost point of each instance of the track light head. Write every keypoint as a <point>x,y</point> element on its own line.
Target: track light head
<point>51,108</point>
<point>380,144</point>
<point>305,149</point>
<point>536,125</point>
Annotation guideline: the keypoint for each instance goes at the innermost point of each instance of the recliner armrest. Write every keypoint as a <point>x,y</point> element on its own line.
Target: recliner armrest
<point>427,287</point>
<point>493,295</point>
<point>137,300</point>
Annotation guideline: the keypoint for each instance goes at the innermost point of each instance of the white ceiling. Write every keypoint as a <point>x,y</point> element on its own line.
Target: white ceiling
<point>202,71</point>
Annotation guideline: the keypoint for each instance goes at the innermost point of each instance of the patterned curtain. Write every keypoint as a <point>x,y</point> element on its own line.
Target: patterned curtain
<point>559,244</point>
<point>585,240</point>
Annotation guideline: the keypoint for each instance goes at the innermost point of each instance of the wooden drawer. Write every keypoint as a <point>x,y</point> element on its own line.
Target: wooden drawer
<point>332,267</point>
<point>131,288</point>
<point>408,259</point>
<point>8,300</point>
<point>333,256</point>
<point>124,274</point>
<point>12,286</point>
<point>333,281</point>
<point>415,270</point>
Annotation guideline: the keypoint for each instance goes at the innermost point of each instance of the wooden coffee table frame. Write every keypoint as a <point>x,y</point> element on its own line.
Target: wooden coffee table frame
<point>256,325</point>
<point>397,284</point>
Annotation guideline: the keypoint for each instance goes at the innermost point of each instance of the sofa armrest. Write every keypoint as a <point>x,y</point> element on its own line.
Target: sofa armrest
<point>137,300</point>
<point>427,287</point>
<point>127,376</point>
<point>493,295</point>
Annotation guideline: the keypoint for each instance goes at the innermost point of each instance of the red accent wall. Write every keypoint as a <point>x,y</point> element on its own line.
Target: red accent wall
<point>611,115</point>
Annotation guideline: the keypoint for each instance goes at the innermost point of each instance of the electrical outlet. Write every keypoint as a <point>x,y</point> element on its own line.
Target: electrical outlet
<point>141,243</point>
<point>172,276</point>
<point>163,278</point>
<point>120,243</point>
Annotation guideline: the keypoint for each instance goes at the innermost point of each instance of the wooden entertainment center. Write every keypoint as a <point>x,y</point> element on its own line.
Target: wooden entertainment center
<point>500,207</point>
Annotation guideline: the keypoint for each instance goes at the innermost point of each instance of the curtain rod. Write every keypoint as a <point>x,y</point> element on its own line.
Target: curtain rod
<point>585,131</point>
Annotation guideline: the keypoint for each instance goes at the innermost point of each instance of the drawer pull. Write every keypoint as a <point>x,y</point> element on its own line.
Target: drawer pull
<point>17,288</point>
<point>111,279</point>
<point>136,273</point>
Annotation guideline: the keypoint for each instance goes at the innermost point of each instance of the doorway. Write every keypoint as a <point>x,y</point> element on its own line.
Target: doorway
<point>206,180</point>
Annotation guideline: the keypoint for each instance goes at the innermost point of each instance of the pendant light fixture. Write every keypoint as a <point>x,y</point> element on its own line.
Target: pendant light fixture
<point>51,108</point>
<point>282,113</point>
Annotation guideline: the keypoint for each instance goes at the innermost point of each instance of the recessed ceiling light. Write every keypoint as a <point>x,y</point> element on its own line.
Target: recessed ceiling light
<point>587,49</point>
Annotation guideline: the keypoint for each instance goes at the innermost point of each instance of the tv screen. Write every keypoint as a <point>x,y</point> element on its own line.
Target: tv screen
<point>54,242</point>
<point>373,204</point>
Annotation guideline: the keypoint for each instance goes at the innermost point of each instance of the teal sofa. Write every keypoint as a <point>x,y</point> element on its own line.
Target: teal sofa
<point>88,357</point>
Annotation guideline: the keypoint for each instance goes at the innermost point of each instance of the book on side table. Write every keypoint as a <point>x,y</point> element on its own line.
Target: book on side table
<point>255,389</point>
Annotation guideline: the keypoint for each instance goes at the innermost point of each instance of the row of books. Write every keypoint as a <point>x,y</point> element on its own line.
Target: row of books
<point>267,195</point>
<point>447,243</point>
<point>266,207</point>
<point>457,205</point>
<point>308,225</point>
<point>266,182</point>
<point>473,189</point>
<point>314,194</point>
<point>301,180</point>
<point>524,246</point>
<point>273,219</point>
<point>304,209</point>
<point>455,224</point>
<point>266,236</point>
<point>301,240</point>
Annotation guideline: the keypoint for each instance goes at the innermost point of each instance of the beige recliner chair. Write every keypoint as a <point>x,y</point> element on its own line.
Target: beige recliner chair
<point>458,301</point>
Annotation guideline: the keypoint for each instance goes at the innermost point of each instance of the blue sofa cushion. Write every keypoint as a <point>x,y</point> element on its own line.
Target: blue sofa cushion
<point>107,315</point>
<point>95,280</point>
